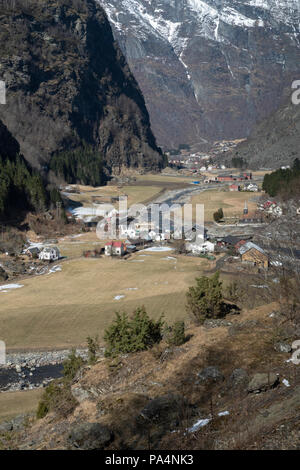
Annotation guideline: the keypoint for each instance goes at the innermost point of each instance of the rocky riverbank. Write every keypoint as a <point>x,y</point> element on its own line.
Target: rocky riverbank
<point>26,371</point>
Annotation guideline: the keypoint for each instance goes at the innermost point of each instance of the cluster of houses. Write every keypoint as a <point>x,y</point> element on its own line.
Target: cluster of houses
<point>249,252</point>
<point>197,243</point>
<point>242,177</point>
<point>252,187</point>
<point>270,207</point>
<point>47,253</point>
<point>229,178</point>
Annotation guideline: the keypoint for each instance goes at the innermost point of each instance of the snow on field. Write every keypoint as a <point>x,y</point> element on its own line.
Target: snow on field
<point>83,211</point>
<point>169,258</point>
<point>158,249</point>
<point>224,413</point>
<point>199,424</point>
<point>119,297</point>
<point>132,288</point>
<point>203,422</point>
<point>87,213</point>
<point>8,287</point>
<point>55,269</point>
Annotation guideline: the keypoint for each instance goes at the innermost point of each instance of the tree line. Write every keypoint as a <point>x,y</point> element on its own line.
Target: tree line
<point>80,166</point>
<point>21,188</point>
<point>283,182</point>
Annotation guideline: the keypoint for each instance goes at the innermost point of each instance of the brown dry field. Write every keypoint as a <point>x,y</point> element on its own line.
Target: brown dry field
<point>232,203</point>
<point>136,194</point>
<point>144,189</point>
<point>61,309</point>
<point>17,403</point>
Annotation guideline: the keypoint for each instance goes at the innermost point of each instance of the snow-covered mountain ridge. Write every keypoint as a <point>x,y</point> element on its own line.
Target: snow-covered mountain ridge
<point>187,54</point>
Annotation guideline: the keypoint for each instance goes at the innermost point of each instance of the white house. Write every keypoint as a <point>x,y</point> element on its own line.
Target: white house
<point>49,253</point>
<point>208,247</point>
<point>197,248</point>
<point>251,187</point>
<point>277,211</point>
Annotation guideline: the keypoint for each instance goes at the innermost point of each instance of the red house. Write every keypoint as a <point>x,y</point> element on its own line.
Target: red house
<point>234,187</point>
<point>117,248</point>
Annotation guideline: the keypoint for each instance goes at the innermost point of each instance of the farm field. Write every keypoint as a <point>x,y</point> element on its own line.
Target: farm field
<point>232,203</point>
<point>143,190</point>
<point>164,180</point>
<point>73,247</point>
<point>61,309</point>
<point>135,193</point>
<point>17,403</point>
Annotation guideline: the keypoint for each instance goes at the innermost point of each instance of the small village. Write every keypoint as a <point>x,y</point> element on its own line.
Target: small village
<point>231,234</point>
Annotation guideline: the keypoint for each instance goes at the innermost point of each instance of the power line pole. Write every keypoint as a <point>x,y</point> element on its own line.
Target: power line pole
<point>58,210</point>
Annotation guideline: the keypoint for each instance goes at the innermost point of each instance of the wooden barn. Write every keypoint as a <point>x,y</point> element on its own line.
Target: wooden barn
<point>254,254</point>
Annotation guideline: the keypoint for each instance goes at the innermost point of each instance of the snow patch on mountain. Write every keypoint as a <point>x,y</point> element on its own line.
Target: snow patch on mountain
<point>176,47</point>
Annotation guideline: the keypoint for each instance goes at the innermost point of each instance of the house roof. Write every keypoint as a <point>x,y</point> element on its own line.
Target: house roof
<point>33,249</point>
<point>249,246</point>
<point>230,239</point>
<point>48,249</point>
<point>117,244</point>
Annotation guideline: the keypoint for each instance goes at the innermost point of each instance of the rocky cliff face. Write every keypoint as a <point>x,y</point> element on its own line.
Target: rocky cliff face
<point>275,141</point>
<point>68,86</point>
<point>208,69</point>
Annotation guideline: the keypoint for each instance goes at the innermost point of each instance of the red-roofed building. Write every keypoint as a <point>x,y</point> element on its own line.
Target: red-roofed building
<point>234,187</point>
<point>115,248</point>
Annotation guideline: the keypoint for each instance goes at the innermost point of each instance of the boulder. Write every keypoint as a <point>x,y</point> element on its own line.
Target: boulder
<point>90,436</point>
<point>163,409</point>
<point>6,427</point>
<point>262,382</point>
<point>239,377</point>
<point>211,374</point>
<point>283,347</point>
<point>79,393</point>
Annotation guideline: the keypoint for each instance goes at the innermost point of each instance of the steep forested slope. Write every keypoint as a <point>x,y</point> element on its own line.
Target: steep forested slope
<point>69,89</point>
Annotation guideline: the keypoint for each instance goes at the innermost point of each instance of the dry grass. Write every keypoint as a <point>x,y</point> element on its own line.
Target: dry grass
<point>136,193</point>
<point>62,309</point>
<point>159,178</point>
<point>17,403</point>
<point>232,203</point>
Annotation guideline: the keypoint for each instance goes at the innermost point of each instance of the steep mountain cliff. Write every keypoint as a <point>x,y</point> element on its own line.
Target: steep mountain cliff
<point>275,141</point>
<point>208,69</point>
<point>69,89</point>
